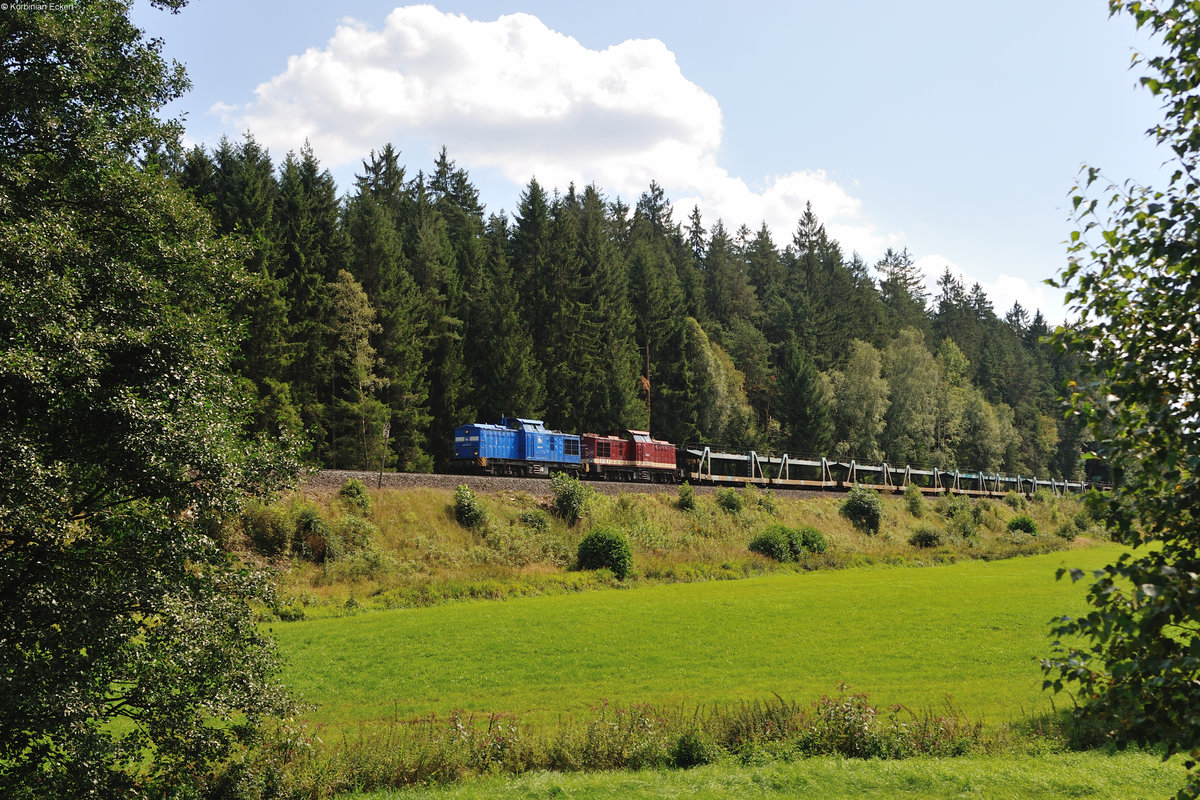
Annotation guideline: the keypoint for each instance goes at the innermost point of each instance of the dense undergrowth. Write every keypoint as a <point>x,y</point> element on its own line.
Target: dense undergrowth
<point>296,762</point>
<point>359,549</point>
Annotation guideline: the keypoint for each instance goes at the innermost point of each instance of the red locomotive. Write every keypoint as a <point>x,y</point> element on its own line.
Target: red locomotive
<point>630,456</point>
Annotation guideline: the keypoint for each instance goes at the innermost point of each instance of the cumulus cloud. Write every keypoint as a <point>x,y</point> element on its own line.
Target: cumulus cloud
<point>1003,290</point>
<point>514,96</point>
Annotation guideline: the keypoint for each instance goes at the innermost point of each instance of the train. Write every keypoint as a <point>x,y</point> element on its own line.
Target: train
<point>527,448</point>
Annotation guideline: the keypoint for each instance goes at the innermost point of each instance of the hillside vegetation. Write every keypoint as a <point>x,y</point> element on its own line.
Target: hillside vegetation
<point>338,553</point>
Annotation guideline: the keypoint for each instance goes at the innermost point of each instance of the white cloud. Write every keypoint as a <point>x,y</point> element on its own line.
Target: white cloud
<point>514,96</point>
<point>1003,290</point>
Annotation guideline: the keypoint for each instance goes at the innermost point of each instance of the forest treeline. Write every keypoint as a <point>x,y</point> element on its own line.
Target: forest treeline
<point>403,302</point>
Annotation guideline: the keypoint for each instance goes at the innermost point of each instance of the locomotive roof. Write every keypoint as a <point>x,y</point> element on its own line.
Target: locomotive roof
<point>637,436</point>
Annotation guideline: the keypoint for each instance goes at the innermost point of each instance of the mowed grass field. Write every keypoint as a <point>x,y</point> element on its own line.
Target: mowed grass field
<point>970,631</point>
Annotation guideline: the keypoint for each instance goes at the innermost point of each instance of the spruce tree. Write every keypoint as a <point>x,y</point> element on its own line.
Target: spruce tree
<point>609,391</point>
<point>375,253</point>
<point>802,404</point>
<point>506,377</point>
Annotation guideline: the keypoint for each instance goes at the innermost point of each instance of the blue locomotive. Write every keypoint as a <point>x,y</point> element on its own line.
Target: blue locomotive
<point>515,447</point>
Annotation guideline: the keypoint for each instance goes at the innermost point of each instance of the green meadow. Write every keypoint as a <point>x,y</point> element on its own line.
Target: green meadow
<point>1127,776</point>
<point>969,632</point>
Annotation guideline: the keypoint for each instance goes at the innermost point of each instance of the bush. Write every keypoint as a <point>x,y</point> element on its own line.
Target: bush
<point>1096,504</point>
<point>730,500</point>
<point>914,500</point>
<point>925,537</point>
<point>268,527</point>
<point>1023,522</point>
<point>354,495</point>
<point>863,508</point>
<point>784,544</point>
<point>687,497</point>
<point>467,509</point>
<point>774,543</point>
<point>806,539</point>
<point>694,748</point>
<point>348,535</point>
<point>605,548</point>
<point>312,534</point>
<point>535,519</point>
<point>1016,502</point>
<point>962,517</point>
<point>767,501</point>
<point>570,496</point>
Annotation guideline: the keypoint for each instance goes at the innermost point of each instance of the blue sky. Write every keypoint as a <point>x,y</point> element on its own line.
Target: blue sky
<point>953,129</point>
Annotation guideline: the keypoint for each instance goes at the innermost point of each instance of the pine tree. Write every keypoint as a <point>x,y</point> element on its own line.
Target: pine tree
<point>730,294</point>
<point>659,307</point>
<point>765,271</point>
<point>820,291</point>
<point>507,377</point>
<point>803,404</point>
<point>375,253</point>
<point>242,194</point>
<point>530,260</point>
<point>312,249</point>
<point>434,270</point>
<point>609,397</point>
<point>902,291</point>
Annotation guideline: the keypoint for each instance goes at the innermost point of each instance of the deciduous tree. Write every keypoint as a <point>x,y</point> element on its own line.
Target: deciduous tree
<point>129,660</point>
<point>1134,280</point>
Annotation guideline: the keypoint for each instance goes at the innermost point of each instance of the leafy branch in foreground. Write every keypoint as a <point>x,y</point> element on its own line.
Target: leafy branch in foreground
<point>1135,659</point>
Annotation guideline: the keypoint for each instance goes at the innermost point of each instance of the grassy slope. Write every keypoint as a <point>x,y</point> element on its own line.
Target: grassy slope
<point>971,630</point>
<point>1128,776</point>
<point>421,556</point>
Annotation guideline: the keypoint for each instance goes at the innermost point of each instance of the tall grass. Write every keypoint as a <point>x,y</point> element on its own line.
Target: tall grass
<point>1057,776</point>
<point>437,750</point>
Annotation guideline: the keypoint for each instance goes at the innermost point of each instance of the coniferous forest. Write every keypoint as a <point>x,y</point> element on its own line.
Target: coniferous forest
<point>403,300</point>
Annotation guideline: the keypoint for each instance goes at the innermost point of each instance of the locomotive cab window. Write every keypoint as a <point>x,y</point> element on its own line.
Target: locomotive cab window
<point>603,449</point>
<point>571,447</point>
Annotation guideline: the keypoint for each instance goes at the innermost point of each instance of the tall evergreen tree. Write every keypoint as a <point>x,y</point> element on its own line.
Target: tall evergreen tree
<point>312,250</point>
<point>609,398</point>
<point>530,260</point>
<point>803,404</point>
<point>765,271</point>
<point>821,292</point>
<point>902,291</point>
<point>507,377</point>
<point>435,272</point>
<point>375,254</point>
<point>660,305</point>
<point>730,295</point>
<point>243,196</point>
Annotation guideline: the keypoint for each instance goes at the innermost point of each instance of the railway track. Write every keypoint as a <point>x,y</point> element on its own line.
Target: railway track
<point>330,480</point>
